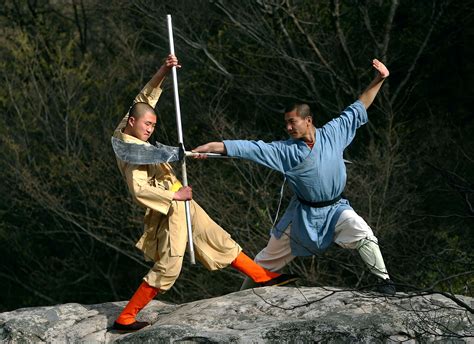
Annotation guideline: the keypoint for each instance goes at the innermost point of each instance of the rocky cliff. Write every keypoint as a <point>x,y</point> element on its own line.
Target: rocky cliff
<point>264,315</point>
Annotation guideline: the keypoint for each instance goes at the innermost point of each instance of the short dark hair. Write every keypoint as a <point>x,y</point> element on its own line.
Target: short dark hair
<point>139,109</point>
<point>303,110</point>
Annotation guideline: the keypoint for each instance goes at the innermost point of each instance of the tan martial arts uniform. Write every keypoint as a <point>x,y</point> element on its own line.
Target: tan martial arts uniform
<point>165,235</point>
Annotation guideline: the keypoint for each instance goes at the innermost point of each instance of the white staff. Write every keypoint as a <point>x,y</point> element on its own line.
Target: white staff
<point>181,143</point>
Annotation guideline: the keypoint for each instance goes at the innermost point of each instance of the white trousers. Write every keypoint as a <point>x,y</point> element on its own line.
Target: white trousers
<point>351,232</point>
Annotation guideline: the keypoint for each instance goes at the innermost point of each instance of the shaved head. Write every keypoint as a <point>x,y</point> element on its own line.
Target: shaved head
<point>141,121</point>
<point>303,110</point>
<point>139,109</point>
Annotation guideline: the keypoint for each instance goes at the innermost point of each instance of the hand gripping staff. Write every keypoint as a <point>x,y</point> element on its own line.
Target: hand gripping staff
<point>181,143</point>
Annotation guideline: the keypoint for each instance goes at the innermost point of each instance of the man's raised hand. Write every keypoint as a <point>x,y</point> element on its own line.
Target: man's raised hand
<point>380,67</point>
<point>171,61</point>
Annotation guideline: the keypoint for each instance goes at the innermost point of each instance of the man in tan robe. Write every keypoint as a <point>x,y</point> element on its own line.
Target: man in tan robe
<point>156,188</point>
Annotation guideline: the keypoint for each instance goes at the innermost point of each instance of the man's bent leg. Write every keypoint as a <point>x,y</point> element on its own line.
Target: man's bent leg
<point>354,233</point>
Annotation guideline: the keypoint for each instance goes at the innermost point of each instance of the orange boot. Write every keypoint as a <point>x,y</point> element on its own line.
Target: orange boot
<point>258,274</point>
<point>126,320</point>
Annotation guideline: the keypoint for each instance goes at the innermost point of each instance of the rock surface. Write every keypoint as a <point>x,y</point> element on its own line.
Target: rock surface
<point>263,315</point>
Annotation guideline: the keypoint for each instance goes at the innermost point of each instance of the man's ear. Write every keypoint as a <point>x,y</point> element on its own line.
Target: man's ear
<point>131,121</point>
<point>309,119</point>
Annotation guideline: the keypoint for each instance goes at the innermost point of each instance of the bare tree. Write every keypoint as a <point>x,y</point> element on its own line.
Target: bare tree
<point>69,72</point>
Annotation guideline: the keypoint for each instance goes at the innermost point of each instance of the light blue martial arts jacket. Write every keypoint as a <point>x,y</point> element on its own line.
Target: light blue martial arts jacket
<point>315,175</point>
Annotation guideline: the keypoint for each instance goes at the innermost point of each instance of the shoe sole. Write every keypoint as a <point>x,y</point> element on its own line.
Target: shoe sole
<point>288,281</point>
<point>111,329</point>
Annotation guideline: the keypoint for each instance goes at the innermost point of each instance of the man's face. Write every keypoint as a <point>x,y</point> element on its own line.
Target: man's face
<point>143,127</point>
<point>297,127</point>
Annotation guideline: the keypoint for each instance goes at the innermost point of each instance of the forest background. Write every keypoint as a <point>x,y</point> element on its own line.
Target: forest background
<point>70,69</point>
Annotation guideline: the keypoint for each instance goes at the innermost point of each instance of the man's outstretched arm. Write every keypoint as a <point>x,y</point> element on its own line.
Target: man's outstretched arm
<point>368,96</point>
<point>211,147</point>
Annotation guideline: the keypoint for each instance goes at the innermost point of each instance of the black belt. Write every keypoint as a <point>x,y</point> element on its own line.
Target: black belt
<point>320,204</point>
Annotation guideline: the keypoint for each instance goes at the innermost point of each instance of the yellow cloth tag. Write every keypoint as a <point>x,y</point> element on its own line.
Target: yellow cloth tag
<point>176,186</point>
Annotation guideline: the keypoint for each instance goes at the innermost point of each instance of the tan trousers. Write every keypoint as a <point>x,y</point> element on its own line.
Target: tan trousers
<point>213,247</point>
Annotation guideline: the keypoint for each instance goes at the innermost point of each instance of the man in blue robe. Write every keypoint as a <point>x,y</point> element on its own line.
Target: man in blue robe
<point>312,163</point>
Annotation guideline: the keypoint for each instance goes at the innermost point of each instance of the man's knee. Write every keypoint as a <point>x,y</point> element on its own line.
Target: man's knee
<point>164,274</point>
<point>367,241</point>
<point>351,230</point>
